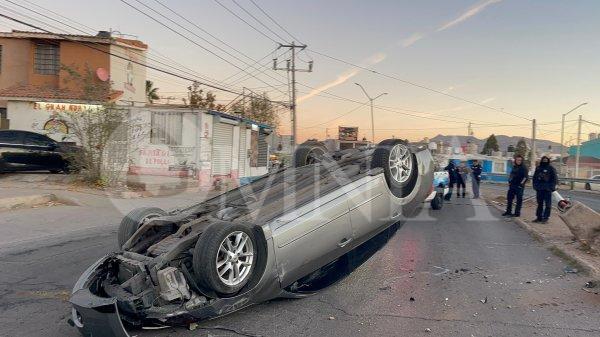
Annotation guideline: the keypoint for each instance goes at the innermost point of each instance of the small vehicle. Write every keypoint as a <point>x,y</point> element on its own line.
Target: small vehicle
<point>30,151</point>
<point>261,241</point>
<point>594,185</point>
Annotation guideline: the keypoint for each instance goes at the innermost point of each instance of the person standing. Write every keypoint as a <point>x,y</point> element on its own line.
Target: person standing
<point>544,183</point>
<point>516,185</point>
<point>476,170</point>
<point>451,169</point>
<point>462,175</point>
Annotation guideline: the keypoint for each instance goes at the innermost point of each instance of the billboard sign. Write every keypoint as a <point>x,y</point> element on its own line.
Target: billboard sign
<point>348,133</point>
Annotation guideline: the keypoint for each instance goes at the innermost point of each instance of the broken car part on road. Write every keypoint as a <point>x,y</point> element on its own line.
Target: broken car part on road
<point>258,242</point>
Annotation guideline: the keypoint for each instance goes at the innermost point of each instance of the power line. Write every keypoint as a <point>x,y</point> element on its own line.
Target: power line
<point>418,85</point>
<point>187,38</point>
<point>275,22</point>
<point>246,22</point>
<point>66,37</point>
<point>257,20</point>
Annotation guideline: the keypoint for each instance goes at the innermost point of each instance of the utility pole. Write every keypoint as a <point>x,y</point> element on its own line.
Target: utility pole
<point>562,138</point>
<point>372,118</point>
<point>291,68</point>
<point>533,135</point>
<point>470,129</point>
<point>578,147</point>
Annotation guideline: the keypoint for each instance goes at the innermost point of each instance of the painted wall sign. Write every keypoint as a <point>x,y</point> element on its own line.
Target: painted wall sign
<point>56,125</point>
<point>65,107</point>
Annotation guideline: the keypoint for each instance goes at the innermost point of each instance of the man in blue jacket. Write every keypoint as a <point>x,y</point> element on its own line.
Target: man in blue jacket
<point>516,185</point>
<point>544,183</point>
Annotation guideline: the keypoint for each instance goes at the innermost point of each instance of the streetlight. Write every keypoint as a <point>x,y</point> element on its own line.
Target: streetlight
<point>562,136</point>
<point>372,118</point>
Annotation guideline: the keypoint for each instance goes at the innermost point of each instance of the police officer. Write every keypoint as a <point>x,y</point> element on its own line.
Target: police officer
<point>476,170</point>
<point>516,185</point>
<point>452,178</point>
<point>544,183</point>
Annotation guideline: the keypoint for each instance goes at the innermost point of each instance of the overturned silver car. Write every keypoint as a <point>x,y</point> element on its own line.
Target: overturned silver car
<point>254,243</point>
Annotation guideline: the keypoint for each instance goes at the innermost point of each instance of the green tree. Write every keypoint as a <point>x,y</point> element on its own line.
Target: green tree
<point>197,99</point>
<point>151,92</point>
<point>258,108</point>
<point>491,145</point>
<point>521,148</point>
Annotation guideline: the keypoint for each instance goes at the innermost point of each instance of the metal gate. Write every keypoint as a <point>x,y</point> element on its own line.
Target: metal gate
<point>222,149</point>
<point>243,153</point>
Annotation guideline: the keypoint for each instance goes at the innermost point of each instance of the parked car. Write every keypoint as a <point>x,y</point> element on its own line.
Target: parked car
<point>267,239</point>
<point>30,151</point>
<point>594,185</point>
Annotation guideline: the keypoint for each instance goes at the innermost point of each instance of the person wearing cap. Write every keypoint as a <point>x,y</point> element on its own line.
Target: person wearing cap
<point>544,183</point>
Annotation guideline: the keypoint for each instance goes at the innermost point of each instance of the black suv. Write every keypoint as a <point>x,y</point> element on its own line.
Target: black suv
<point>30,151</point>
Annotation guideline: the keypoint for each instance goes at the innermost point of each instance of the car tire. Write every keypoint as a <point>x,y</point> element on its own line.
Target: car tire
<point>588,186</point>
<point>133,220</point>
<point>214,268</point>
<point>309,153</point>
<point>401,182</point>
<point>437,202</point>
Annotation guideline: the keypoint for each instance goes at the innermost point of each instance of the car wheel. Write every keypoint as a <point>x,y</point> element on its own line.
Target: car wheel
<point>588,186</point>
<point>399,166</point>
<point>225,257</point>
<point>309,153</point>
<point>437,202</point>
<point>134,219</point>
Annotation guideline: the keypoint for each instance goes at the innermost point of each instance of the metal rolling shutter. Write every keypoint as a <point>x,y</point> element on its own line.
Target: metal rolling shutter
<point>243,153</point>
<point>263,150</point>
<point>222,149</point>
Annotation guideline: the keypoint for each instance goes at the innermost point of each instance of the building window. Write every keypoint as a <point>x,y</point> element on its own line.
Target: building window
<point>46,59</point>
<point>499,167</point>
<point>166,128</point>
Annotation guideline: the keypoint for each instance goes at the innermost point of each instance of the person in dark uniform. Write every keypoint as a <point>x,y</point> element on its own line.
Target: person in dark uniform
<point>516,185</point>
<point>452,173</point>
<point>462,174</point>
<point>476,170</point>
<point>544,183</point>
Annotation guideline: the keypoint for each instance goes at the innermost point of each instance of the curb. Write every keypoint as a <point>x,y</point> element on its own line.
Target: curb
<point>556,247</point>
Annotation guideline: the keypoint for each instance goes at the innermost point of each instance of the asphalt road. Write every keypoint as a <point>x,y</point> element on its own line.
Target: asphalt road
<point>469,272</point>
<point>591,199</point>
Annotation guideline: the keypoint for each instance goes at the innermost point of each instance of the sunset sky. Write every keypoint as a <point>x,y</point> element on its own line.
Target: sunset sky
<point>521,58</point>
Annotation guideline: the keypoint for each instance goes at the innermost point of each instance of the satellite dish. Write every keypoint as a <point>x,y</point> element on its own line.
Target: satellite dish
<point>102,74</point>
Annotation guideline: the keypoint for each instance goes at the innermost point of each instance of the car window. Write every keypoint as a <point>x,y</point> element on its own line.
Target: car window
<point>36,139</point>
<point>10,137</point>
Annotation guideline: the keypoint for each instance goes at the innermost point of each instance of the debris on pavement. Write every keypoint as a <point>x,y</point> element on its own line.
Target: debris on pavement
<point>484,301</point>
<point>591,284</point>
<point>427,330</point>
<point>412,299</point>
<point>385,288</point>
<point>570,270</point>
<point>331,318</point>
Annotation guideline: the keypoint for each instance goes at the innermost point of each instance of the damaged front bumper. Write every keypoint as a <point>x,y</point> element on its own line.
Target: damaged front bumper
<point>93,315</point>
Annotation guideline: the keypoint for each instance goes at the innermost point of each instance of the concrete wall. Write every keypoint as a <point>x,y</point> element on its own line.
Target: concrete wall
<point>83,60</point>
<point>23,116</point>
<point>16,62</point>
<point>127,76</point>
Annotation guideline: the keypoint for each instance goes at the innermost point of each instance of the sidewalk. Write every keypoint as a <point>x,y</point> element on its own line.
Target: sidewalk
<point>555,234</point>
<point>89,212</point>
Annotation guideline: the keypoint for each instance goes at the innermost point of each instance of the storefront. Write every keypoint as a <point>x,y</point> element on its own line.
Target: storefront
<point>210,146</point>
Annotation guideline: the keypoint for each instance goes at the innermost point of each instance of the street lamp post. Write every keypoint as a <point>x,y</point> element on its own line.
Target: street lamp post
<point>562,137</point>
<point>372,118</point>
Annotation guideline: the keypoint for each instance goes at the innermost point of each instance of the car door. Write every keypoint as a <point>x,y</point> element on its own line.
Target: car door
<point>311,236</point>
<point>13,153</point>
<point>41,152</point>
<point>369,205</point>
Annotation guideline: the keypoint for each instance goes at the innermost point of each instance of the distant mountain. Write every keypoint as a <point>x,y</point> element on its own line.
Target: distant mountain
<point>503,142</point>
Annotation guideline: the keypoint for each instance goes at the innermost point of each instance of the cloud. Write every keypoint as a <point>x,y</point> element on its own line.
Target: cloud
<point>469,13</point>
<point>345,76</point>
<point>409,41</point>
